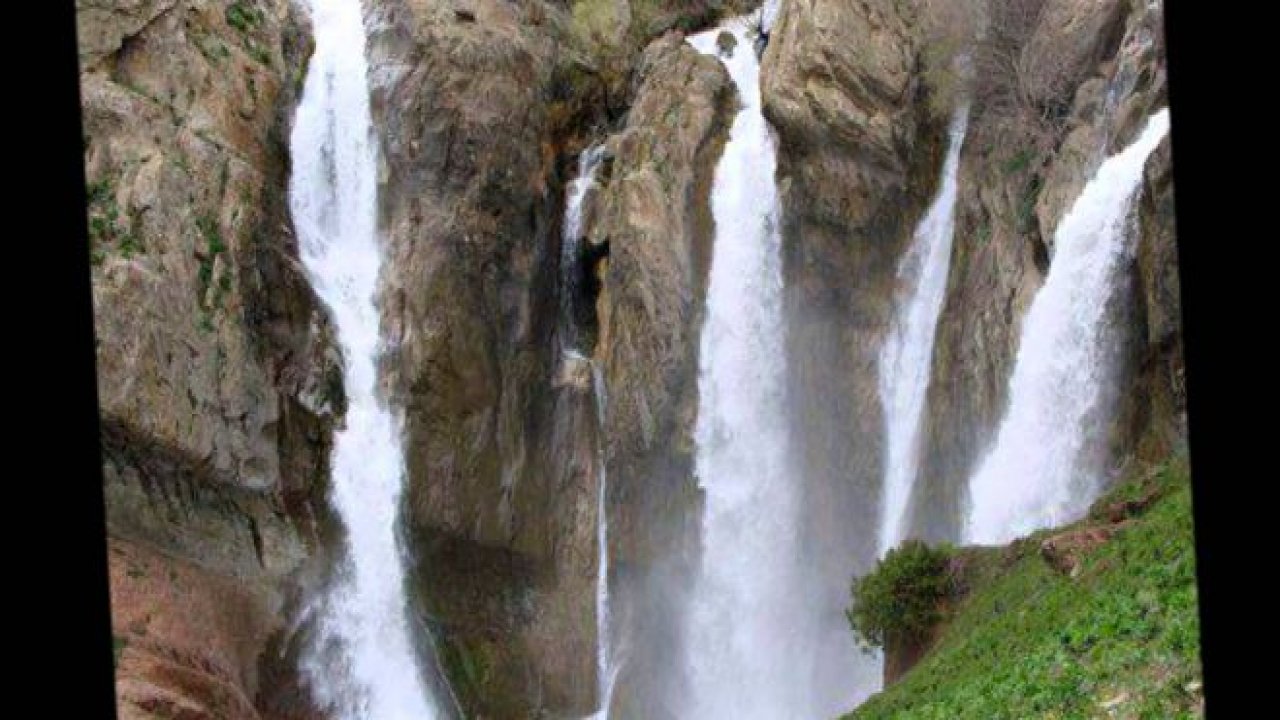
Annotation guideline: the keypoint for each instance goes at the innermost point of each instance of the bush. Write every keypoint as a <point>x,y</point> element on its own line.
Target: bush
<point>241,16</point>
<point>903,596</point>
<point>978,49</point>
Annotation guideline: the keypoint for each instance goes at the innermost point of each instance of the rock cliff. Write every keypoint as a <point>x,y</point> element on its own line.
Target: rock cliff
<point>1104,62</point>
<point>219,380</point>
<point>480,110</point>
<point>858,157</point>
<point>653,210</point>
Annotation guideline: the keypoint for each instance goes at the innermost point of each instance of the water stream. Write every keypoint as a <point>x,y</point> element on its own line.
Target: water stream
<point>906,359</point>
<point>363,664</point>
<point>1046,465</point>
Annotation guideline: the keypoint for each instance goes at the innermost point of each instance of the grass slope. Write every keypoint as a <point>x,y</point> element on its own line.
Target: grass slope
<point>1120,640</point>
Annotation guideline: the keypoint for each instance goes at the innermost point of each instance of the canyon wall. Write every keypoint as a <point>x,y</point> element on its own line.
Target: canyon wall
<point>858,159</point>
<point>653,211</point>
<point>480,111</point>
<point>219,380</point>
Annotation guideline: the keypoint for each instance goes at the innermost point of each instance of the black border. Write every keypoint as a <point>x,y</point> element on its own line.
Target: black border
<point>55,460</point>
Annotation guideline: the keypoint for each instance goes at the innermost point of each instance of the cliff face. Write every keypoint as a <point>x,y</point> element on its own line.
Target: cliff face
<point>653,210</point>
<point>218,377</point>
<point>479,111</point>
<point>1107,63</point>
<point>858,156</point>
<point>500,511</point>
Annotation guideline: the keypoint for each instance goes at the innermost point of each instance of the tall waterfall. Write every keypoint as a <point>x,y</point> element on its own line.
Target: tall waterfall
<point>749,629</point>
<point>1042,470</point>
<point>363,665</point>
<point>571,239</point>
<point>906,358</point>
<point>606,670</point>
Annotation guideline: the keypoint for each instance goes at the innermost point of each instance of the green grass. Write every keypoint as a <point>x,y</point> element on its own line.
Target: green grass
<point>1018,162</point>
<point>1029,642</point>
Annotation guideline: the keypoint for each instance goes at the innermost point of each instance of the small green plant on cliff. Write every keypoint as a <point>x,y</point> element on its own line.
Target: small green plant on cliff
<point>903,596</point>
<point>243,17</point>
<point>106,228</point>
<point>214,247</point>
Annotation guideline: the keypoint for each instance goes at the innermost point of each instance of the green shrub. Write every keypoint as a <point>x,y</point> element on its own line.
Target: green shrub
<point>106,226</point>
<point>242,17</point>
<point>903,596</point>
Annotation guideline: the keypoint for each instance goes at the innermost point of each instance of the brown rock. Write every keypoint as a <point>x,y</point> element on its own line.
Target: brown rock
<point>218,377</point>
<point>858,158</point>
<point>1065,551</point>
<point>654,208</point>
<point>502,477</point>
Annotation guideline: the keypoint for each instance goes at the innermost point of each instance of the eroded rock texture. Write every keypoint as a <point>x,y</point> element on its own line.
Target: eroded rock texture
<point>858,156</point>
<point>653,209</point>
<point>218,376</point>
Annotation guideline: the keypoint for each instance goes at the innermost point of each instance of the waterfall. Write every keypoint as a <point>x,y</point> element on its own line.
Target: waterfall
<point>769,14</point>
<point>363,664</point>
<point>571,275</point>
<point>1044,468</point>
<point>905,360</point>
<point>571,240</point>
<point>606,669</point>
<point>751,625</point>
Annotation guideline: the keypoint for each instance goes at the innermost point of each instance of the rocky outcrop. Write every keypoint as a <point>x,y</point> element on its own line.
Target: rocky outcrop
<point>858,156</point>
<point>653,212</point>
<point>479,114</point>
<point>218,377</point>
<point>500,497</point>
<point>1105,57</point>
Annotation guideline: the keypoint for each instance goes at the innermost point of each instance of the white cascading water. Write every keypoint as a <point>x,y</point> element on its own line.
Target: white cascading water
<point>906,359</point>
<point>749,649</point>
<point>1040,472</point>
<point>571,239</point>
<point>363,665</point>
<point>572,235</point>
<point>606,671</point>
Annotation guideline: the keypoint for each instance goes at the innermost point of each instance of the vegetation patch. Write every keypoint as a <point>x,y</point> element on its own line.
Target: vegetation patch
<point>214,247</point>
<point>107,231</point>
<point>903,596</point>
<point>244,17</point>
<point>469,668</point>
<point>1118,637</point>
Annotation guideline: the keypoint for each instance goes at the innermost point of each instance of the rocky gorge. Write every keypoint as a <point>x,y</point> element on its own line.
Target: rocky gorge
<point>221,370</point>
